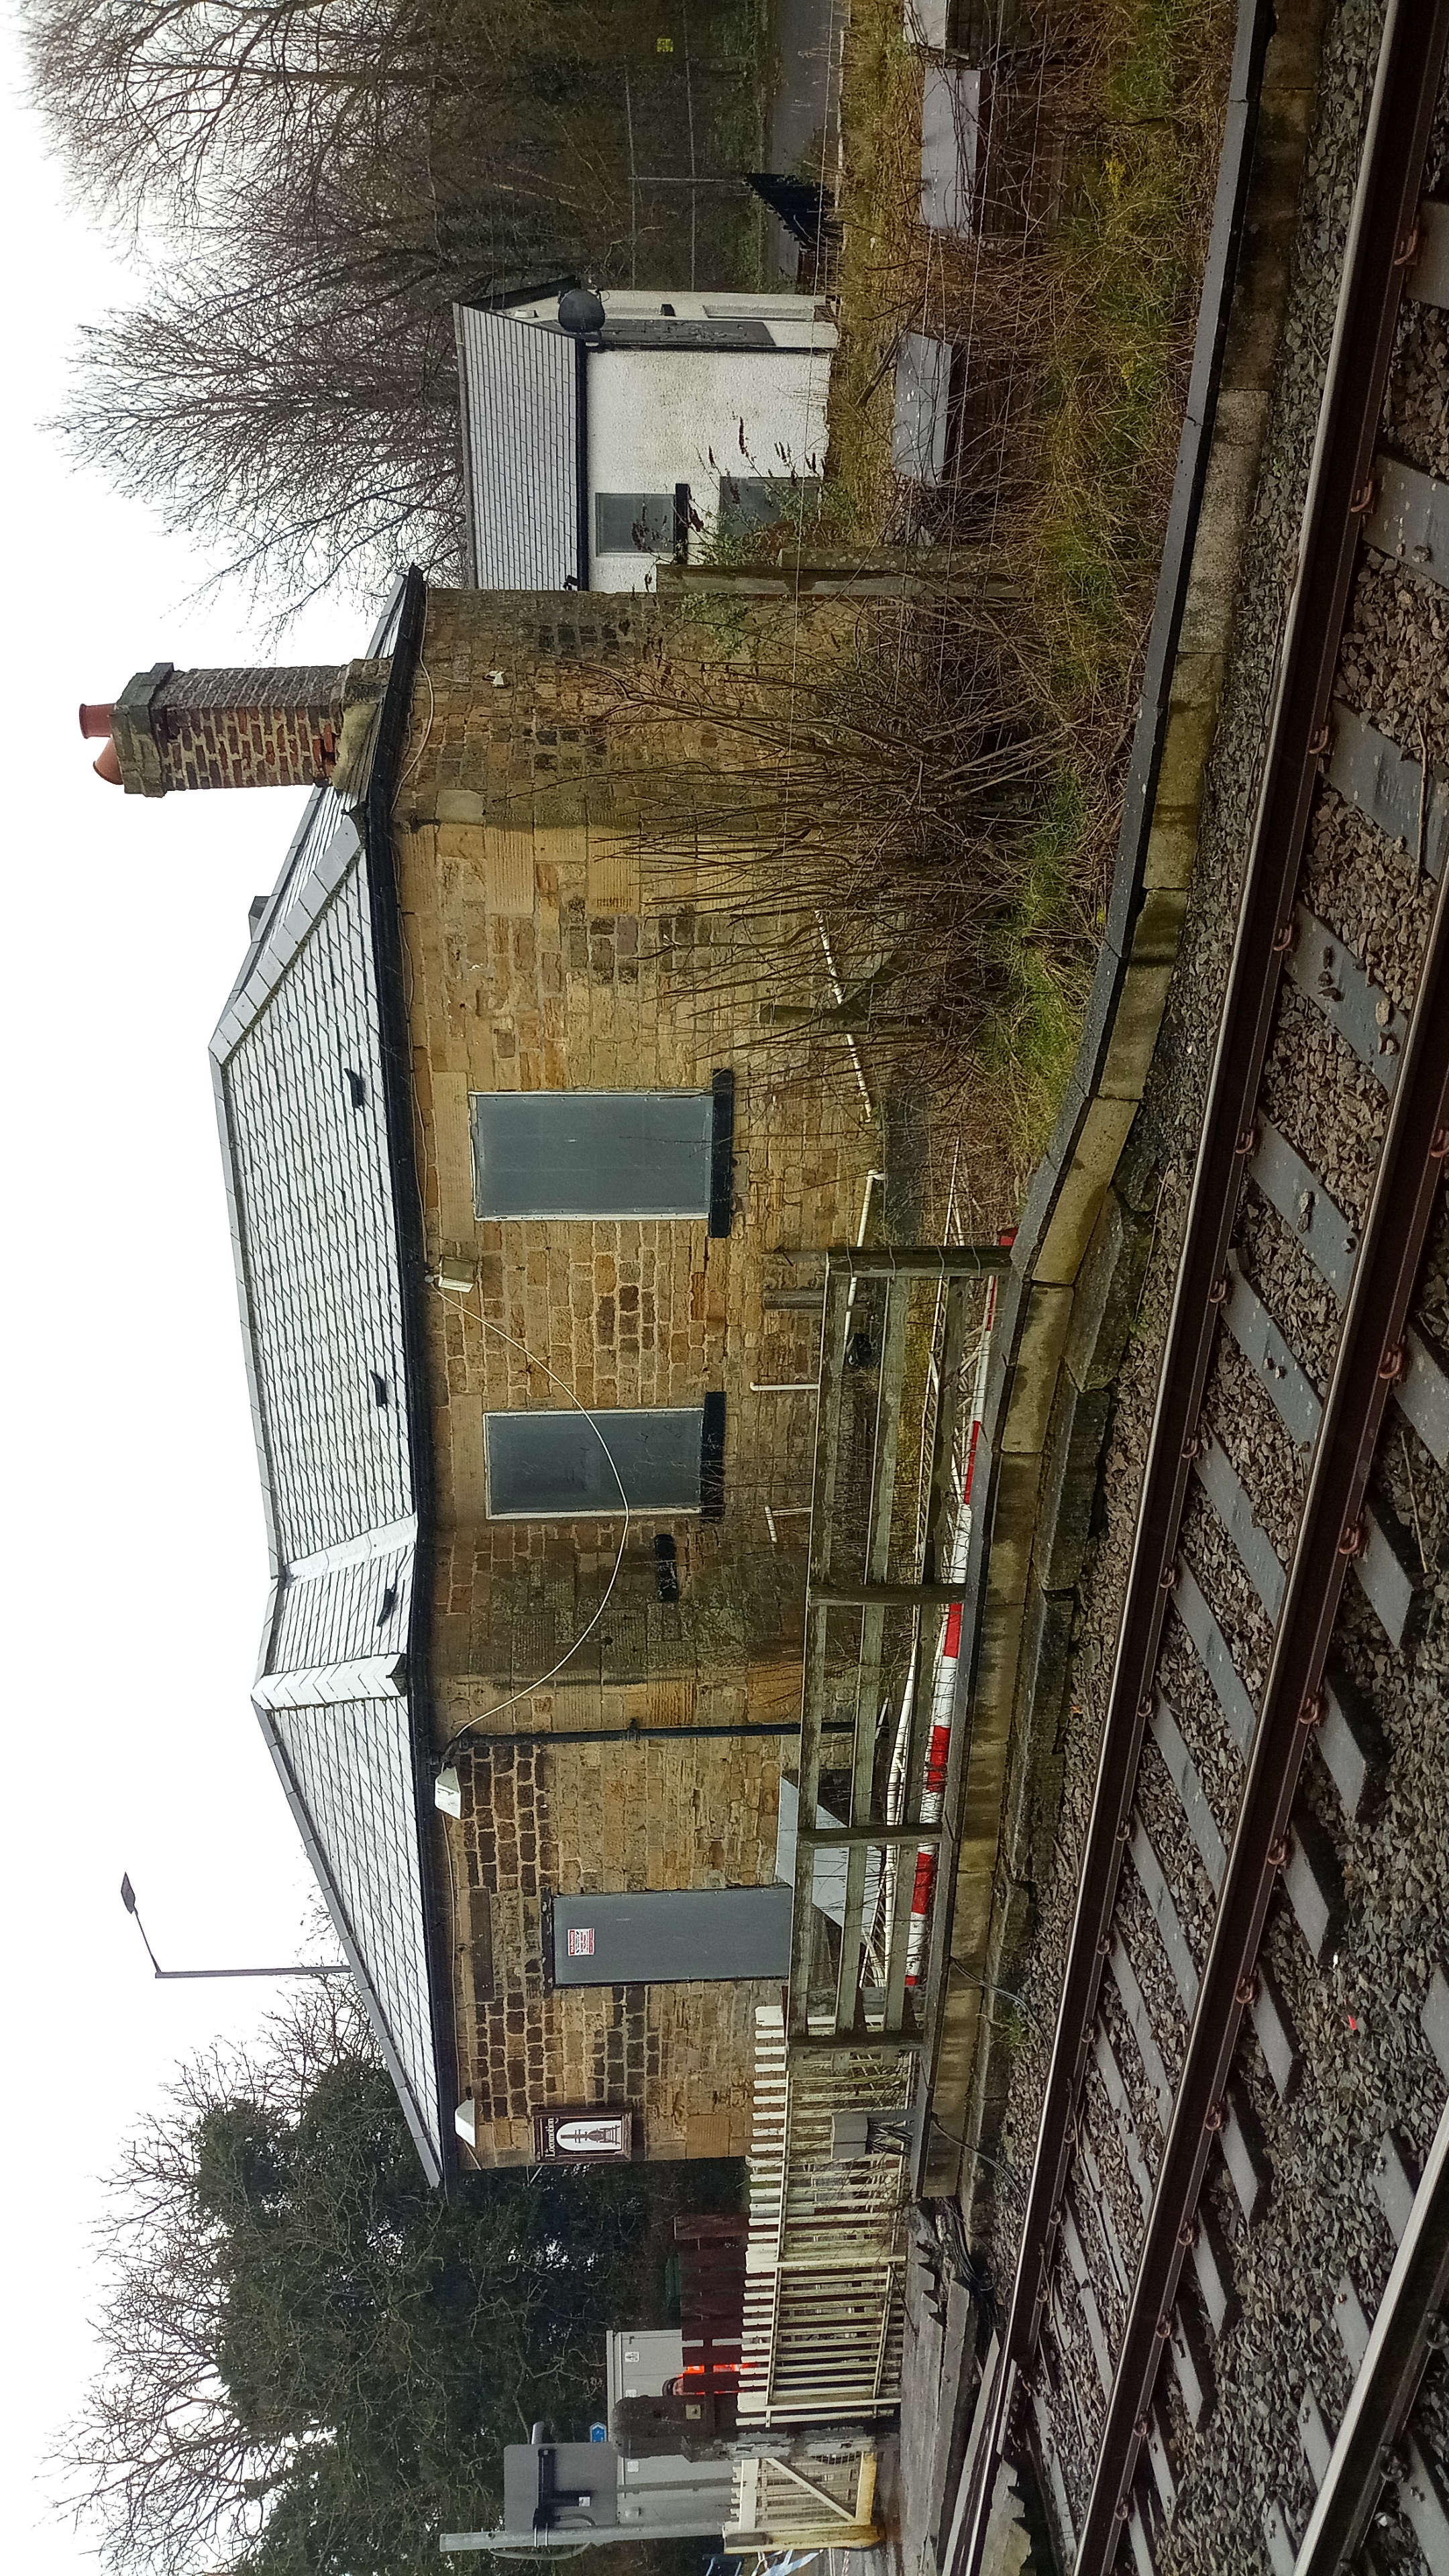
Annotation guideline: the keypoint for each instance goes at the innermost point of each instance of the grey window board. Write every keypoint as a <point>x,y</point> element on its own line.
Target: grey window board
<point>592,1153</point>
<point>634,523</point>
<point>554,1464</point>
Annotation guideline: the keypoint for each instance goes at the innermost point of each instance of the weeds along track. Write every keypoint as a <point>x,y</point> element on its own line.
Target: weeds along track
<point>1279,1589</point>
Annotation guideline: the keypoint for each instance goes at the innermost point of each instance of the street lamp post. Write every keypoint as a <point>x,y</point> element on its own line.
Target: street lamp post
<point>322,1968</point>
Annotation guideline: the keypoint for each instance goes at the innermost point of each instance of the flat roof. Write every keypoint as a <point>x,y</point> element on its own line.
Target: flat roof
<point>521,392</point>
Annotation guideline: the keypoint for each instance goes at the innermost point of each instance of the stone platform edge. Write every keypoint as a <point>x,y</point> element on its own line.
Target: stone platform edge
<point>1069,1301</point>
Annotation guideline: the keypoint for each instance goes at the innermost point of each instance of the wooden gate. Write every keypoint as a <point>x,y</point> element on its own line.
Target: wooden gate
<point>823,2307</point>
<point>821,2501</point>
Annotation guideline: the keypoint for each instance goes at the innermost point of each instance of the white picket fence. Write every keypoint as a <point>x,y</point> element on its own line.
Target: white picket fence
<point>825,2263</point>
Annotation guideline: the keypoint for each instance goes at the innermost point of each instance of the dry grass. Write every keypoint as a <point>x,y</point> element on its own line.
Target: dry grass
<point>1084,325</point>
<point>866,822</point>
<point>933,788</point>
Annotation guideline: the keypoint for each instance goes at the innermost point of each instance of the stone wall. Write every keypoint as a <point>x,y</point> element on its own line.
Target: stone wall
<point>556,1818</point>
<point>563,828</point>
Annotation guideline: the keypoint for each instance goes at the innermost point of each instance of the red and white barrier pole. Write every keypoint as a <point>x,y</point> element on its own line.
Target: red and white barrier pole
<point>943,1690</point>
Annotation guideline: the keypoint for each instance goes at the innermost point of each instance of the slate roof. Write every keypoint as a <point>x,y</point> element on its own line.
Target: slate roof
<point>521,388</point>
<point>301,1064</point>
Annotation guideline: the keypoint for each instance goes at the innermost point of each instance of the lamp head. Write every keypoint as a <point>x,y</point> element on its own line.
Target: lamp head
<point>581,312</point>
<point>128,1895</point>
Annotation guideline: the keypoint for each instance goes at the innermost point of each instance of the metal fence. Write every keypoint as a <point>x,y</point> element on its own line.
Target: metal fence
<point>897,1329</point>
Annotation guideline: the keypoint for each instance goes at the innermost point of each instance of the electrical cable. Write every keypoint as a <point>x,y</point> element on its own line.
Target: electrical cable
<point>419,1165</point>
<point>470,1724</point>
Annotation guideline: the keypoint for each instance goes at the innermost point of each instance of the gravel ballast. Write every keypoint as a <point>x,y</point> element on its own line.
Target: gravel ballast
<point>1354,2011</point>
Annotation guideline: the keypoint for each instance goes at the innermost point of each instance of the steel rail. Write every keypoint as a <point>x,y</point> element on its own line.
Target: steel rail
<point>1388,2379</point>
<point>1370,1360</point>
<point>1410,59</point>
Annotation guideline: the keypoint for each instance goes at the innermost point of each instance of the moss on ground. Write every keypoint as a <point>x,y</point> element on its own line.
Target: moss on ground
<point>1126,260</point>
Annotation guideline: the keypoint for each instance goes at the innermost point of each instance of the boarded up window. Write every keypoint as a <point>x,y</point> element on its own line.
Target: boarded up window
<point>507,870</point>
<point>673,1936</point>
<point>480,1948</point>
<point>568,1464</point>
<point>592,1153</point>
<point>500,860</point>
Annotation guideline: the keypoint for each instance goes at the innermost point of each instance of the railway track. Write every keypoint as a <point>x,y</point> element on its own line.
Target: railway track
<point>1303,1377</point>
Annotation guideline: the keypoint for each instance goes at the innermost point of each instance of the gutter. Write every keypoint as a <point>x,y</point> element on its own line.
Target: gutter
<point>467,548</point>
<point>396,1053</point>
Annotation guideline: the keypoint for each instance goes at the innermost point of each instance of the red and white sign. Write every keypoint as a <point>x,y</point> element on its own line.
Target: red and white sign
<point>581,1941</point>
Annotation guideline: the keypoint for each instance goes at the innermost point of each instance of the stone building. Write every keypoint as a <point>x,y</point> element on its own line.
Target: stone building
<point>513,1186</point>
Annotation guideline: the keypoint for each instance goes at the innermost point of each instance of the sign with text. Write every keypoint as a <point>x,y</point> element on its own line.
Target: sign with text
<point>586,2136</point>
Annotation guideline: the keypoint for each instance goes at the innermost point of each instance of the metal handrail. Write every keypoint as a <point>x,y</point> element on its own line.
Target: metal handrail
<point>871,1594</point>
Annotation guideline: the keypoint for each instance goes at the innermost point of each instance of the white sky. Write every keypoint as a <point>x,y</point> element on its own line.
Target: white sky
<point>133,1546</point>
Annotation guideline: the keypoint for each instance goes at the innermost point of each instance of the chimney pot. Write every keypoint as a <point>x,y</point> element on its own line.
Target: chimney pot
<point>294,727</point>
<point>109,766</point>
<point>95,722</point>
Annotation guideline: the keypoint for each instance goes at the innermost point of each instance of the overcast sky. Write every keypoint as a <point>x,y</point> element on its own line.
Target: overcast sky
<point>134,1553</point>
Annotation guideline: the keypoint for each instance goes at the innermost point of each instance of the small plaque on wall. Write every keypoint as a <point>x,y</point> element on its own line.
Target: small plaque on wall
<point>588,2136</point>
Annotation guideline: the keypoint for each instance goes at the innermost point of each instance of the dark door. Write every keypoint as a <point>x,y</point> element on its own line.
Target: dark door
<point>672,1936</point>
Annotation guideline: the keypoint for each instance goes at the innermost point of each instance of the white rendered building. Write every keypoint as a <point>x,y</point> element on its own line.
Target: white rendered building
<point>590,456</point>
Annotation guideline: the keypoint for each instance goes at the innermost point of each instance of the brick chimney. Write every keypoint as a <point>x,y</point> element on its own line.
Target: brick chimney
<point>288,728</point>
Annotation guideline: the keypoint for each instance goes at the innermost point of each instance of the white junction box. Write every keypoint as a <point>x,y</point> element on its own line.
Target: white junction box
<point>639,2361</point>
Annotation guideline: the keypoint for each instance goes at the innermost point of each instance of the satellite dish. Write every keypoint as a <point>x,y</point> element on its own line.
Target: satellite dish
<point>580,311</point>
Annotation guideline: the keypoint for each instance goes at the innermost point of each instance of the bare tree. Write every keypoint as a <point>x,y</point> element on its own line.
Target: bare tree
<point>311,185</point>
<point>195,111</point>
<point>159,2460</point>
<point>303,437</point>
<point>155,100</point>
